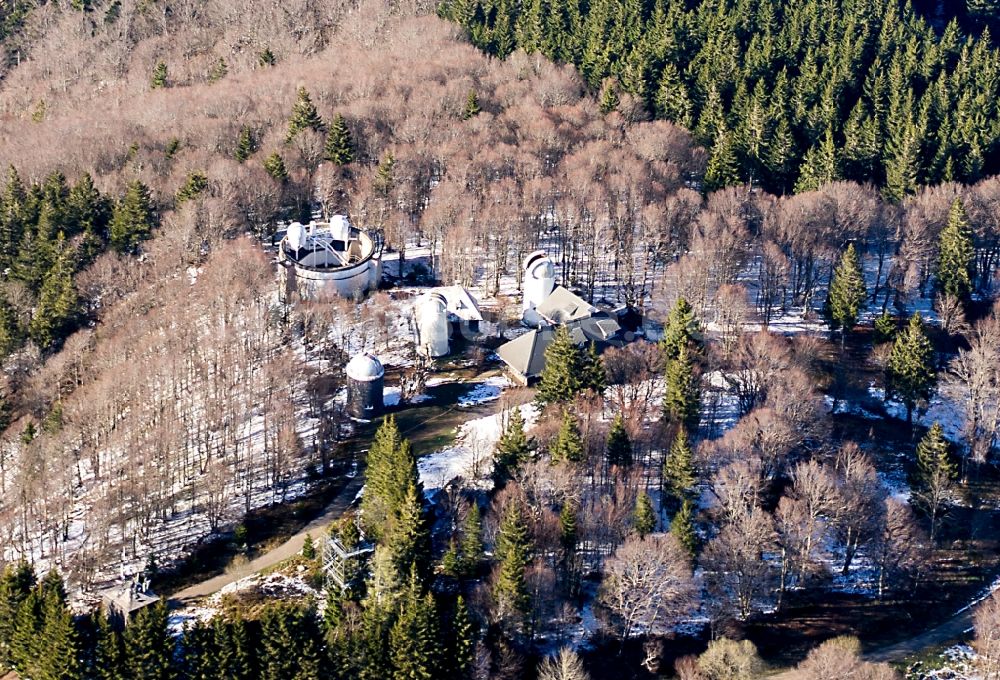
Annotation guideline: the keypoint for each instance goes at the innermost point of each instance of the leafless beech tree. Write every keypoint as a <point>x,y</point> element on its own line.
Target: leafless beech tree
<point>977,370</point>
<point>647,584</point>
<point>738,576</point>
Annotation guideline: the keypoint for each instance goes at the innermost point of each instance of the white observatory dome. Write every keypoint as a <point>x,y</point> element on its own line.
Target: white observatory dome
<point>296,235</point>
<point>364,368</point>
<point>539,279</point>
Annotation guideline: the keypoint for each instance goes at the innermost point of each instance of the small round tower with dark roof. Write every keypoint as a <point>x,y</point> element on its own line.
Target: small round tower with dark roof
<point>365,385</point>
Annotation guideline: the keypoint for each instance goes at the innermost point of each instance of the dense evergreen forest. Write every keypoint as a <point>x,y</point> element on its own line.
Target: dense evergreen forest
<point>789,95</point>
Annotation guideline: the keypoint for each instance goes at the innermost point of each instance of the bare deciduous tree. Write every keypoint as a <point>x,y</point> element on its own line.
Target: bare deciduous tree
<point>647,584</point>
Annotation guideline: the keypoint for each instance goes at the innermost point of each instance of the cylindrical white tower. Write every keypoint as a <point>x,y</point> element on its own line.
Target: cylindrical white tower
<point>365,386</point>
<point>432,325</point>
<point>539,279</point>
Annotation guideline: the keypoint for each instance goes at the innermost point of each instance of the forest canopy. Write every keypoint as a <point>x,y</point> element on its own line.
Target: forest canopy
<point>789,95</point>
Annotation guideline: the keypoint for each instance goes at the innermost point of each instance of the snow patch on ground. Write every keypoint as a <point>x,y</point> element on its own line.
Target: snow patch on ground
<point>471,457</point>
<point>486,391</point>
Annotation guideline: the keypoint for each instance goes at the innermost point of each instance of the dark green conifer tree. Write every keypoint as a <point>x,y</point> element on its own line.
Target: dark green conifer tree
<point>193,187</point>
<point>682,396</point>
<point>472,542</point>
<point>134,218</point>
<point>58,302</point>
<point>159,78</point>
<point>568,532</point>
<point>244,144</point>
<point>513,447</point>
<point>275,167</point>
<point>909,374</point>
<point>408,537</point>
<point>935,473</point>
<point>471,109</point>
<point>289,642</point>
<point>513,553</point>
<point>682,527</point>
<point>619,444</point>
<point>592,373</point>
<point>304,116</point>
<point>644,516</point>
<point>679,474</point>
<point>461,641</point>
<point>682,329</point>
<point>339,148</point>
<point>957,255</point>
<point>847,293</point>
<point>568,445</point>
<point>885,328</point>
<point>148,646</point>
<point>561,378</point>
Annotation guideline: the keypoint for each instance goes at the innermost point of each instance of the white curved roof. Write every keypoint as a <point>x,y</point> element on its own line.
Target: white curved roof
<point>364,367</point>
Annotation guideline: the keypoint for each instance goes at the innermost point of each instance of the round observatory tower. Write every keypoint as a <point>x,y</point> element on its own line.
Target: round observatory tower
<point>365,385</point>
<point>432,325</point>
<point>539,281</point>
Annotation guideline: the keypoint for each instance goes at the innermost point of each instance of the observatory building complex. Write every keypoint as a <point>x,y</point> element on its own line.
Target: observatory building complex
<point>330,258</point>
<point>546,307</point>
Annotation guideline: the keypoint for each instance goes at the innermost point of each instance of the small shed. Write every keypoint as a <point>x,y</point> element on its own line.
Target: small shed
<point>365,386</point>
<point>122,602</point>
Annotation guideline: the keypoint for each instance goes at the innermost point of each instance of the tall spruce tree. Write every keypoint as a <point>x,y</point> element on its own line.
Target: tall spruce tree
<point>568,445</point>
<point>682,329</point>
<point>619,444</point>
<point>391,470</point>
<point>935,473</point>
<point>274,165</point>
<point>847,293</point>
<point>244,144</point>
<point>408,536</point>
<point>513,554</point>
<point>413,639</point>
<point>957,255</point>
<point>592,373</point>
<point>339,148</point>
<point>58,302</point>
<point>513,447</point>
<point>679,475</point>
<point>289,642</point>
<point>560,379</point>
<point>304,116</point>
<point>682,396</point>
<point>682,527</point>
<point>644,516</point>
<point>134,218</point>
<point>148,646</point>
<point>909,374</point>
<point>472,542</point>
<point>461,641</point>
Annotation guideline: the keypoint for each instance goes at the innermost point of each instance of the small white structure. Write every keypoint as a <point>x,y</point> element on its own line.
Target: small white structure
<point>539,280</point>
<point>365,387</point>
<point>122,602</point>
<point>433,332</point>
<point>330,258</point>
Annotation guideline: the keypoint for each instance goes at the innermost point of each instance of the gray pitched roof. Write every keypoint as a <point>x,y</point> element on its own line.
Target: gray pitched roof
<point>526,353</point>
<point>563,306</point>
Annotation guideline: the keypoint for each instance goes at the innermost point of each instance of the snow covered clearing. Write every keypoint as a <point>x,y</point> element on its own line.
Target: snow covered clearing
<point>471,457</point>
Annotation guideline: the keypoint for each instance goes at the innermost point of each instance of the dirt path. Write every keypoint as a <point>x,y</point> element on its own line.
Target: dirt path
<point>289,548</point>
<point>951,629</point>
